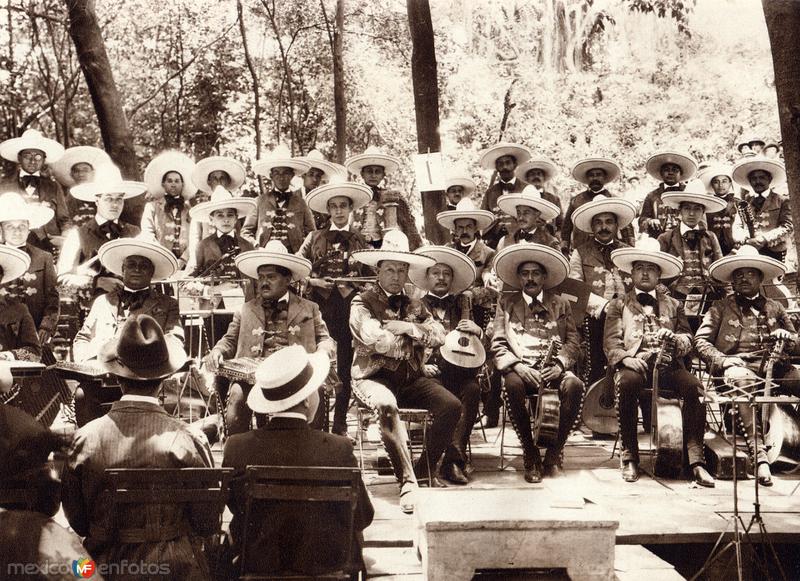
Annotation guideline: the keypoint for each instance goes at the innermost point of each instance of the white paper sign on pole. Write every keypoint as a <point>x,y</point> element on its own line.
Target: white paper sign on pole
<point>429,170</point>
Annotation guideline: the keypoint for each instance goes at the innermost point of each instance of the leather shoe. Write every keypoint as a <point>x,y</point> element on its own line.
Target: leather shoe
<point>408,496</point>
<point>702,477</point>
<point>423,477</point>
<point>764,474</point>
<point>630,471</point>
<point>452,473</point>
<point>553,471</point>
<point>533,472</point>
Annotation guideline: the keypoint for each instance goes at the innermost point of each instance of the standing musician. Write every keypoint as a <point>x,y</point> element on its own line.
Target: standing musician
<point>320,171</point>
<point>738,329</point>
<point>77,166</point>
<point>671,169</point>
<point>139,263</point>
<point>538,171</point>
<point>210,172</point>
<point>18,339</point>
<point>502,158</point>
<point>636,327</point>
<point>275,318</point>
<point>533,213</point>
<point>458,185</point>
<point>525,326</point>
<point>717,179</point>
<point>330,250</point>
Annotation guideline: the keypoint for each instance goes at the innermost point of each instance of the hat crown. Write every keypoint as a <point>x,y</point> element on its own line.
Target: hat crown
<point>395,240</point>
<point>32,134</point>
<point>281,367</point>
<point>315,155</point>
<point>373,150</point>
<point>141,340</point>
<point>747,250</point>
<point>107,173</point>
<point>466,205</point>
<point>648,244</point>
<point>12,202</point>
<point>276,247</point>
<point>695,187</point>
<point>532,191</point>
<point>220,194</point>
<point>281,151</point>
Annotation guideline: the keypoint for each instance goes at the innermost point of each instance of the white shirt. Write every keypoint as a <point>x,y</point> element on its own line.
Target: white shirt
<point>684,229</point>
<point>22,173</point>
<point>345,228</point>
<point>471,245</point>
<point>529,299</point>
<point>100,220</point>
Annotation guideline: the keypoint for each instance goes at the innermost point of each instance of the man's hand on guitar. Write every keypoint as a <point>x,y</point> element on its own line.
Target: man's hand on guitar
<point>552,373</point>
<point>635,364</point>
<point>664,333</point>
<point>431,371</point>
<point>398,327</point>
<point>109,283</point>
<point>212,360</point>
<point>528,374</point>
<point>467,326</point>
<point>733,362</point>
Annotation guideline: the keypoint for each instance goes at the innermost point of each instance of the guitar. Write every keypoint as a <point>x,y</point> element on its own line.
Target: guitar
<point>599,411</point>
<point>667,432</point>
<point>769,364</point>
<point>548,404</point>
<point>463,349</point>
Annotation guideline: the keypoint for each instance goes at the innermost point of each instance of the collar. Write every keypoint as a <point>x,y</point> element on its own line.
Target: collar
<point>140,398</point>
<point>471,245</point>
<point>609,243</point>
<point>444,296</point>
<point>684,229</point>
<point>130,290</point>
<point>512,181</point>
<point>232,234</point>
<point>21,246</point>
<point>529,299</point>
<point>652,293</point>
<point>292,415</point>
<point>100,220</point>
<point>285,297</point>
<point>335,228</point>
<point>387,293</point>
<point>23,173</point>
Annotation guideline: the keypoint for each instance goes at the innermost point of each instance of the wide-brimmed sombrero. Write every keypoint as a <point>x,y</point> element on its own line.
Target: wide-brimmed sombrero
<point>507,261</point>
<point>463,179</point>
<point>695,192</point>
<point>230,166</point>
<point>166,162</point>
<point>62,169</point>
<point>647,250</point>
<point>14,262</point>
<point>318,198</point>
<point>465,209</point>
<point>750,164</point>
<point>31,139</point>
<point>624,210</point>
<point>222,199</point>
<point>372,156</point>
<point>315,159</point>
<point>107,180</point>
<point>274,253</point>
<point>14,207</point>
<point>746,257</point>
<point>609,166</point>
<point>530,197</point>
<point>395,248</point>
<point>490,155</point>
<point>280,157</point>
<point>142,351</point>
<point>463,268</point>
<point>711,171</point>
<point>748,140</point>
<point>113,253</point>
<point>286,378</point>
<point>683,160</point>
<point>537,162</point>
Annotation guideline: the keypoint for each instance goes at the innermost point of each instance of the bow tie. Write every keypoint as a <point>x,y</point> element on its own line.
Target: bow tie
<point>444,303</point>
<point>603,192</point>
<point>275,305</point>
<point>673,188</point>
<point>29,181</point>
<point>450,207</point>
<point>757,304</point>
<point>463,248</point>
<point>691,237</point>
<point>398,302</point>
<point>758,201</point>
<point>338,236</point>
<point>505,187</point>
<point>282,197</point>
<point>605,252</point>
<point>173,204</point>
<point>646,299</point>
<point>226,243</point>
<point>526,236</point>
<point>133,300</point>
<point>111,230</point>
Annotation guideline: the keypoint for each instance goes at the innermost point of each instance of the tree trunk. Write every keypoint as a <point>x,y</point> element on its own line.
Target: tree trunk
<point>426,106</point>
<point>783,22</point>
<point>253,78</point>
<point>93,58</point>
<point>339,103</point>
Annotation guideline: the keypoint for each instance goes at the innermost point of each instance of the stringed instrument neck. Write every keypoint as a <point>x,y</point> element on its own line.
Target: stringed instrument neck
<point>772,357</point>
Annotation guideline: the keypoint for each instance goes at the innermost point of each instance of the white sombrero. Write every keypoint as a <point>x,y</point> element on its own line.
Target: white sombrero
<point>14,207</point>
<point>286,378</point>
<point>274,253</point>
<point>314,158</point>
<point>107,180</point>
<point>372,156</point>
<point>62,169</point>
<point>114,252</point>
<point>280,157</point>
<point>465,209</point>
<point>460,178</point>
<point>683,160</point>
<point>609,166</point>
<point>713,170</point>
<point>507,261</point>
<point>220,200</point>
<point>464,271</point>
<point>394,247</point>
<point>530,197</point>
<point>490,155</point>
<point>749,164</point>
<point>14,262</point>
<point>169,161</point>
<point>746,257</point>
<point>748,140</point>
<point>230,166</point>
<point>543,163</point>
<point>647,250</point>
<point>624,210</point>
<point>694,192</point>
<point>317,199</point>
<point>31,139</point>
<point>338,172</point>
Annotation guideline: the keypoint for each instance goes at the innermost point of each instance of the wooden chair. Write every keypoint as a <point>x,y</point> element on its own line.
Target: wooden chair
<point>305,488</point>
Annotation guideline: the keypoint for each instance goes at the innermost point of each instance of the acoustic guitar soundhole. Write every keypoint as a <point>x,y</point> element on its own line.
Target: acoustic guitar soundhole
<point>463,341</point>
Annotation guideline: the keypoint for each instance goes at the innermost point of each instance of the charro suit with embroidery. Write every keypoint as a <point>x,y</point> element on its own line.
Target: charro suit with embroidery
<point>653,207</point>
<point>38,288</point>
<point>257,226</point>
<point>155,228</point>
<point>17,331</point>
<point>572,237</point>
<point>48,192</point>
<point>773,222</point>
<point>694,273</point>
<point>588,265</point>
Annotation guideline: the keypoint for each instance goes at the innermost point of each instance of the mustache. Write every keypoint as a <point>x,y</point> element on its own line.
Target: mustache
<point>605,232</point>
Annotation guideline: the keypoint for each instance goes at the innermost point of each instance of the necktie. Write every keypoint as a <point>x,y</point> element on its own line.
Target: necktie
<point>646,299</point>
<point>398,302</point>
<point>226,243</point>
<point>603,192</point>
<point>29,181</point>
<point>691,238</point>
<point>758,201</point>
<point>111,230</point>
<point>281,197</point>
<point>132,300</point>
<point>273,307</point>
<point>444,303</point>
<point>605,252</point>
<point>338,236</point>
<point>173,204</point>
<point>757,304</point>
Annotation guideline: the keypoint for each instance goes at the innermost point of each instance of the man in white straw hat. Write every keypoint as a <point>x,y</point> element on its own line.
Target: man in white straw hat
<point>18,339</point>
<point>717,178</point>
<point>458,185</point>
<point>139,263</point>
<point>330,252</point>
<point>749,145</point>
<point>672,169</point>
<point>287,390</point>
<point>466,222</point>
<point>532,214</point>
<point>275,318</point>
<point>391,333</point>
<point>320,171</point>
<point>538,171</point>
<point>502,158</point>
<point>281,214</point>
<point>768,215</point>
<point>217,170</point>
<point>738,329</point>
<point>77,166</point>
<point>637,326</point>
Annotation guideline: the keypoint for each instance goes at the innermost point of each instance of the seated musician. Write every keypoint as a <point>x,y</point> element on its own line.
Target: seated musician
<point>139,263</point>
<point>739,329</point>
<point>391,332</point>
<point>502,158</point>
<point>320,172</point>
<point>329,250</point>
<point>313,545</point>
<point>525,326</point>
<point>138,433</point>
<point>275,318</point>
<point>447,283</point>
<point>672,169</point>
<point>637,325</point>
<point>538,171</point>
<point>18,338</point>
<point>533,213</point>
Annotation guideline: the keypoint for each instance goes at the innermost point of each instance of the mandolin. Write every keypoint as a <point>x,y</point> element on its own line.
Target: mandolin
<point>548,404</point>
<point>599,409</point>
<point>463,349</point>
<point>667,421</point>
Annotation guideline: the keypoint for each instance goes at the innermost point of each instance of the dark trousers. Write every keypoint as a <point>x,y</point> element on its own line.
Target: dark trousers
<point>628,385</point>
<point>462,383</point>
<point>335,312</point>
<point>596,356</point>
<point>89,399</point>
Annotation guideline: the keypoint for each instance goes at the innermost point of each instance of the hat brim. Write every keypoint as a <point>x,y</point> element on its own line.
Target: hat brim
<point>320,364</point>
<point>582,167</point>
<point>624,210</point>
<point>327,168</point>
<point>176,359</point>
<point>167,162</point>
<point>742,169</point>
<point>356,163</point>
<point>483,218</point>
<point>89,191</point>
<point>723,268</point>
<point>508,203</point>
<point>491,155</point>
<point>466,183</point>
<point>263,167</point>
<point>10,148</point>
<point>319,197</point>
<point>249,262</point>
<point>373,256</point>
<point>464,271</point>
<point>14,263</point>
<point>113,253</point>
<point>203,211</point>
<point>623,258</point>
<point>712,204</point>
<point>62,169</point>
<point>547,166</point>
<point>508,259</point>
<point>204,167</point>
<point>35,214</point>
<point>707,174</point>
<point>687,164</point>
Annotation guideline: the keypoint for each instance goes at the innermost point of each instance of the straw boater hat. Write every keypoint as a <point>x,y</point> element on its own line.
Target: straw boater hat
<point>204,167</point>
<point>530,197</point>
<point>460,178</point>
<point>286,378</point>
<point>464,271</point>
<point>647,250</point>
<point>279,157</point>
<point>372,156</point>
<point>695,192</point>
<point>114,252</point>
<point>465,209</point>
<point>713,170</point>
<point>580,169</point>
<point>170,161</point>
<point>14,207</point>
<point>142,351</point>
<point>222,199</point>
<point>394,247</point>
<point>31,139</point>
<point>14,262</point>
<point>683,160</point>
<point>107,180</point>
<point>273,254</point>
<point>318,198</point>
<point>490,155</point>
<point>507,260</point>
<point>750,164</point>
<point>543,163</point>
<point>332,171</point>
<point>746,257</point>
<point>624,210</point>
<point>62,168</point>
